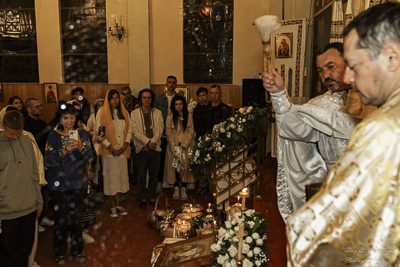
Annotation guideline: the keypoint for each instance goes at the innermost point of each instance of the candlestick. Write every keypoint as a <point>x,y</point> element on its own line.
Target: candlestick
<point>244,194</point>
<point>240,244</point>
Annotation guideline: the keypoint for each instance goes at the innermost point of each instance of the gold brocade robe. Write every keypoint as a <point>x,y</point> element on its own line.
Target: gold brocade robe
<point>354,220</point>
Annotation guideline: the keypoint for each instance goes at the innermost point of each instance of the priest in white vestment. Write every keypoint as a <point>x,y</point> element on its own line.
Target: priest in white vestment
<point>354,220</point>
<point>311,137</point>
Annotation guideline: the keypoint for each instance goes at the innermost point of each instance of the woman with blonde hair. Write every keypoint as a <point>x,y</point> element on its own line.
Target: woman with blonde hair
<point>114,149</point>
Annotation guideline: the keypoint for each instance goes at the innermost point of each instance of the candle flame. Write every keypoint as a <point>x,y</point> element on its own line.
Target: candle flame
<point>244,190</point>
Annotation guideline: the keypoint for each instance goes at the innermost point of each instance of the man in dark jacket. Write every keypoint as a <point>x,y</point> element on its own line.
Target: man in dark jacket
<point>199,110</point>
<point>217,110</point>
<point>77,95</point>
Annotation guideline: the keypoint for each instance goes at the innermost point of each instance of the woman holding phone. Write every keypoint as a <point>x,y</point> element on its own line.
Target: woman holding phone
<point>114,149</point>
<point>67,154</point>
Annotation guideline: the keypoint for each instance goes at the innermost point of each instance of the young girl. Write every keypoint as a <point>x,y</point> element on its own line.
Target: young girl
<point>180,131</point>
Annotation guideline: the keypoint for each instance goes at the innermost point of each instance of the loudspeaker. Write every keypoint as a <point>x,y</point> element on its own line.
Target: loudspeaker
<point>253,93</point>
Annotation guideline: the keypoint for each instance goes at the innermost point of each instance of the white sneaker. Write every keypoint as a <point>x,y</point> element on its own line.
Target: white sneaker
<point>184,196</point>
<point>41,229</point>
<point>46,221</point>
<point>176,193</point>
<point>159,188</point>
<point>87,238</point>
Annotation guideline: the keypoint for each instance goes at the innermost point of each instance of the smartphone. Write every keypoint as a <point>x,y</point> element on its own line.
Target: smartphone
<point>102,130</point>
<point>73,134</point>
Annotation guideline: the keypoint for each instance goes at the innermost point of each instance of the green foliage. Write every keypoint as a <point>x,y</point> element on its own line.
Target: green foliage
<point>254,247</point>
<point>227,137</point>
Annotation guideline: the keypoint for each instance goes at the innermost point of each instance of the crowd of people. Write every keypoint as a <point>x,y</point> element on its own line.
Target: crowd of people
<point>356,161</point>
<point>78,152</point>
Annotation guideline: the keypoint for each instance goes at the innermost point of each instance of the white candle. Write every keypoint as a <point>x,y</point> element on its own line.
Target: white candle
<point>109,22</point>
<point>122,21</point>
<point>244,193</point>
<point>116,18</point>
<point>174,234</point>
<point>240,244</point>
<point>238,199</point>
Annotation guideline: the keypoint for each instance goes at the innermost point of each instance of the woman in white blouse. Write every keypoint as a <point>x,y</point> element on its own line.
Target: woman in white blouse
<point>114,149</point>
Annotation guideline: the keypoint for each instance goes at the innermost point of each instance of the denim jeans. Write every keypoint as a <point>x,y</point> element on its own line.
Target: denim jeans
<point>147,161</point>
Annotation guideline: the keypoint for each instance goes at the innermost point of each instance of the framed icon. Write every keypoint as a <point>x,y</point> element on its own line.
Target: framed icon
<point>183,91</point>
<point>50,92</point>
<point>192,252</point>
<point>283,45</point>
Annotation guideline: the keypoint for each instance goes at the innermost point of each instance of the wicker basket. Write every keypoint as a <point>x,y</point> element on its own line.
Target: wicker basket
<point>153,216</point>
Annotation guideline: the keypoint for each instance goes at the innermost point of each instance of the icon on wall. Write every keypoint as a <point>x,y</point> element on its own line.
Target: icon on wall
<point>283,45</point>
<point>50,92</point>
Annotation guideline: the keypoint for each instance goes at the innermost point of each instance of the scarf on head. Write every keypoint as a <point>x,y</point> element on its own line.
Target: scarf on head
<point>107,121</point>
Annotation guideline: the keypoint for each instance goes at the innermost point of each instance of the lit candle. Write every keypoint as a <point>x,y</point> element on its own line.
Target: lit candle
<point>209,205</point>
<point>244,193</point>
<point>116,18</point>
<point>215,225</point>
<point>122,21</point>
<point>238,199</point>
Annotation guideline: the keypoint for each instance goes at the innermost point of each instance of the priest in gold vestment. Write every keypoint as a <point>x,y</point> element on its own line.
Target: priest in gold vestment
<point>354,220</point>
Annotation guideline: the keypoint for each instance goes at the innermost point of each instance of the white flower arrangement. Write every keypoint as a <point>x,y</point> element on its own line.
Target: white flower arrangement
<point>191,105</point>
<point>227,137</point>
<point>254,249</point>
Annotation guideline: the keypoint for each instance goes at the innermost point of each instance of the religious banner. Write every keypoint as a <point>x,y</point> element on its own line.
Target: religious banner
<point>349,13</point>
<point>337,24</point>
<point>289,46</point>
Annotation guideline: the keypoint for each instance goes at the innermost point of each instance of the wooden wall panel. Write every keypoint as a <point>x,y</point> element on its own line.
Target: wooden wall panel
<point>231,93</point>
<point>25,91</point>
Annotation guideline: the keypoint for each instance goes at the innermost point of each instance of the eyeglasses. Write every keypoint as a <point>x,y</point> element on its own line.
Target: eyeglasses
<point>38,106</point>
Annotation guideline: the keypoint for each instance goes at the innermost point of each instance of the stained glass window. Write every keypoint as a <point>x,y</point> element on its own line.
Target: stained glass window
<point>208,41</point>
<point>84,41</point>
<point>18,44</point>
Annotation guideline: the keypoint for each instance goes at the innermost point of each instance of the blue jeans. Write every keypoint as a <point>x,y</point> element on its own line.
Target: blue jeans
<point>147,161</point>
